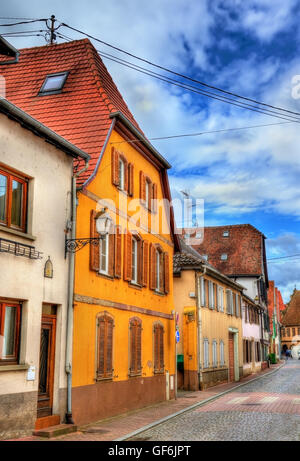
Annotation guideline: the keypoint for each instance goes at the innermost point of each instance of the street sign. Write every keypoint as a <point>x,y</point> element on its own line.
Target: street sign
<point>177,336</point>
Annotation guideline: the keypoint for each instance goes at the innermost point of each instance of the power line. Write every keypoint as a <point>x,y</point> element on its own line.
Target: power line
<point>179,74</point>
<point>193,88</point>
<point>284,257</point>
<point>22,22</point>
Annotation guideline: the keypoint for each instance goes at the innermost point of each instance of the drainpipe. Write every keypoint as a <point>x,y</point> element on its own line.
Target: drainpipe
<point>69,338</point>
<point>199,316</point>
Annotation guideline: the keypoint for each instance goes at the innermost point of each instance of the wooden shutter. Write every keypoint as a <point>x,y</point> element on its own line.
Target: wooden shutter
<point>118,252</point>
<point>158,348</point>
<point>145,262</point>
<point>135,346</point>
<point>115,167</point>
<point>154,198</point>
<point>128,256</point>
<point>126,174</point>
<point>94,248</point>
<point>167,272</point>
<point>142,186</point>
<point>105,346</point>
<point>130,179</point>
<point>152,266</point>
<point>111,253</point>
<point>161,272</point>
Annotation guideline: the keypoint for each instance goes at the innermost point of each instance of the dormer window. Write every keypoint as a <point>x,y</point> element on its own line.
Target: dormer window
<point>54,83</point>
<point>224,257</point>
<point>226,233</point>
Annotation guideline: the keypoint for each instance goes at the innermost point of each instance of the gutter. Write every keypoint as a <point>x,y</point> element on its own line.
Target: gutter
<point>140,137</point>
<point>69,333</point>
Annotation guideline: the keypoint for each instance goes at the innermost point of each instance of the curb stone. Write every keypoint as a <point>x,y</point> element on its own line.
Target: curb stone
<point>195,405</point>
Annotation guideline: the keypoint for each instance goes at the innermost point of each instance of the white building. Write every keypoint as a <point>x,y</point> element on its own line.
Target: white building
<point>35,207</point>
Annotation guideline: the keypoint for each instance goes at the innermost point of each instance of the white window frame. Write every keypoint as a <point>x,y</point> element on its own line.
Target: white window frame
<point>121,174</point>
<point>205,353</point>
<point>221,299</point>
<point>134,259</point>
<point>202,291</point>
<point>222,361</point>
<point>224,257</point>
<point>214,354</point>
<point>104,255</point>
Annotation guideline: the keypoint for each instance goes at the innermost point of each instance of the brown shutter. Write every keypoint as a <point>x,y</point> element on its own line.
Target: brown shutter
<point>152,267</point>
<point>118,252</point>
<point>130,179</point>
<point>101,346</point>
<point>139,347</point>
<point>145,262</point>
<point>128,256</point>
<point>142,186</point>
<point>111,254</point>
<point>161,272</point>
<point>94,249</point>
<point>161,349</point>
<point>132,347</point>
<point>167,272</point>
<point>115,167</point>
<point>154,198</point>
<point>156,347</point>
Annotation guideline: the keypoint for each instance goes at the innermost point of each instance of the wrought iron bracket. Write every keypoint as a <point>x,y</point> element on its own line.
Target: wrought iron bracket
<point>74,245</point>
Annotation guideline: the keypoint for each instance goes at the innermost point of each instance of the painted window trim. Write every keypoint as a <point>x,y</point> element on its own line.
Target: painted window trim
<point>101,271</point>
<point>14,359</point>
<point>10,177</point>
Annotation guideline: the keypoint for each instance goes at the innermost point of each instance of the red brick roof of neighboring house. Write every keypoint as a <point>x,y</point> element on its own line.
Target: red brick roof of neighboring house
<point>244,247</point>
<point>81,112</point>
<point>292,314</point>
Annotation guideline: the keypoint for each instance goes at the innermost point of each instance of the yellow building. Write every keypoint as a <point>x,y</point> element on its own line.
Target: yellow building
<point>208,307</point>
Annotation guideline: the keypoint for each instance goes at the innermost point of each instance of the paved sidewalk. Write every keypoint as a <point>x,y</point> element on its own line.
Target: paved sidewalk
<point>120,426</point>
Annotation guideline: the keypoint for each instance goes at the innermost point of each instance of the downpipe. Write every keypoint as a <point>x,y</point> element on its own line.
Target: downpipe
<point>199,317</point>
<point>69,334</point>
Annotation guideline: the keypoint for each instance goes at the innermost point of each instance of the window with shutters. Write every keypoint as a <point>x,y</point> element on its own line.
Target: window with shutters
<point>159,268</point>
<point>13,200</point>
<point>105,253</point>
<point>134,259</point>
<point>105,325</point>
<point>148,192</point>
<point>229,302</point>
<point>135,341</point>
<point>206,353</point>
<point>214,353</point>
<point>10,316</point>
<point>211,294</point>
<point>222,358</point>
<point>122,172</point>
<point>134,265</point>
<point>158,341</point>
<point>237,305</point>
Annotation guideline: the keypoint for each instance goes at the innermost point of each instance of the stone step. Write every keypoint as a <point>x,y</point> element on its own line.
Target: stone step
<point>56,431</point>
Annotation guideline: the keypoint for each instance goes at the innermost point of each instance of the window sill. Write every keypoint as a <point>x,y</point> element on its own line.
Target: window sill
<point>159,372</point>
<point>106,276</point>
<point>135,375</point>
<point>24,235</point>
<point>103,379</point>
<point>159,293</point>
<point>12,367</point>
<point>135,285</point>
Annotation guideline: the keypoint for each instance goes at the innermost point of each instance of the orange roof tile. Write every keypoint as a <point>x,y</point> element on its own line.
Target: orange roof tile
<point>292,315</point>
<point>81,112</point>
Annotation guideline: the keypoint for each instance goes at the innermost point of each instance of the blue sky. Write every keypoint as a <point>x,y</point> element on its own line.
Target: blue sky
<point>250,48</point>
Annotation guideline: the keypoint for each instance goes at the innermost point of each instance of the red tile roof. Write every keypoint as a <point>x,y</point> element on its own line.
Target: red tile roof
<point>274,295</point>
<point>80,113</point>
<point>292,314</point>
<point>244,247</point>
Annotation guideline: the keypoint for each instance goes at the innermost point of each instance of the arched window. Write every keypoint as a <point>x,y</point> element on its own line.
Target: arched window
<point>135,359</point>
<point>105,325</point>
<point>158,348</point>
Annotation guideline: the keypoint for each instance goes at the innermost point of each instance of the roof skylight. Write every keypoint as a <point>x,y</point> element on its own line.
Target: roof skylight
<point>54,83</point>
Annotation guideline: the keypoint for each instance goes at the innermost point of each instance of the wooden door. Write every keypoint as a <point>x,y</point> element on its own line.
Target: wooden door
<point>46,370</point>
<point>231,357</point>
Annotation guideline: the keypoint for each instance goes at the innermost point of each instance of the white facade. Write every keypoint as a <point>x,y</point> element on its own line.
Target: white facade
<point>22,280</point>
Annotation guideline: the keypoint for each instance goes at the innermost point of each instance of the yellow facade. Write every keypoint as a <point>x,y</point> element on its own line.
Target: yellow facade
<point>95,293</point>
<point>198,324</point>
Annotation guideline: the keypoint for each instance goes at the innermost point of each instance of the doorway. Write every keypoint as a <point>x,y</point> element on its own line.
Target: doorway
<point>47,360</point>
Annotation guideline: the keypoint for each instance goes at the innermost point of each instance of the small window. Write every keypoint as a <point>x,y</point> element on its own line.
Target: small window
<point>104,246</point>
<point>198,235</point>
<point>13,200</point>
<point>54,83</point>
<point>9,333</point>
<point>205,257</point>
<point>224,257</point>
<point>226,233</point>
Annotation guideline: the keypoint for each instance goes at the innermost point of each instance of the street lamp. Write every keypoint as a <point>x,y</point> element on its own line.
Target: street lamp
<point>103,224</point>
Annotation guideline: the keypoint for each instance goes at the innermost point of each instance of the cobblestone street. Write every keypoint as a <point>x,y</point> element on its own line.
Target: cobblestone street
<point>267,409</point>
